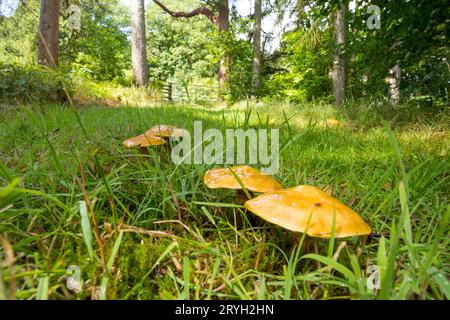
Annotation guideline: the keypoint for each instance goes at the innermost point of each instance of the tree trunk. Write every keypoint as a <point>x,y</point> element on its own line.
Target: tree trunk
<point>300,14</point>
<point>138,44</point>
<point>339,61</point>
<point>49,33</point>
<point>394,84</point>
<point>222,24</point>
<point>257,62</point>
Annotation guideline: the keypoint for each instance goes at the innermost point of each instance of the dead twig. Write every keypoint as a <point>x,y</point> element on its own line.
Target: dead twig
<point>173,221</point>
<point>152,233</point>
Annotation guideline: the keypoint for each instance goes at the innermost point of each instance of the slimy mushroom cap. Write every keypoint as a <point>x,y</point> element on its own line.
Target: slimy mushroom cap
<point>293,208</point>
<point>144,140</point>
<point>166,131</point>
<point>251,178</point>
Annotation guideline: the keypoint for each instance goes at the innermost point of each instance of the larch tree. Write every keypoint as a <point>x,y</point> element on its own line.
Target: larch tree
<point>219,16</point>
<point>48,50</point>
<point>138,44</point>
<point>257,55</point>
<point>338,74</point>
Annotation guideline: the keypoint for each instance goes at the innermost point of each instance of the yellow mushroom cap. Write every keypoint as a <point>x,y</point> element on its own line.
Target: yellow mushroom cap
<point>333,123</point>
<point>166,131</point>
<point>292,208</point>
<point>251,178</point>
<point>144,140</point>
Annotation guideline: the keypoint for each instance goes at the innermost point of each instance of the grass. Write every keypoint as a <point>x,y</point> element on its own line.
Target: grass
<point>140,227</point>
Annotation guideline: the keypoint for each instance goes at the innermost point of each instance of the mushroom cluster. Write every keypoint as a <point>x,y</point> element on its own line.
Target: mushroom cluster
<point>155,136</point>
<point>303,208</point>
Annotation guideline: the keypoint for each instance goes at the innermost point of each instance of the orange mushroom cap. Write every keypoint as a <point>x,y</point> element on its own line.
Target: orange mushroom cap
<point>251,178</point>
<point>333,123</point>
<point>293,208</point>
<point>165,131</point>
<point>144,140</point>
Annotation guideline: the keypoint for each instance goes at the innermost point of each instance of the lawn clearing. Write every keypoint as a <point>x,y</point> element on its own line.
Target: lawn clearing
<point>149,229</point>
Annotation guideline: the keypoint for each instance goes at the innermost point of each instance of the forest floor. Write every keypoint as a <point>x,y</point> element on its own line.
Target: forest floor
<point>207,246</point>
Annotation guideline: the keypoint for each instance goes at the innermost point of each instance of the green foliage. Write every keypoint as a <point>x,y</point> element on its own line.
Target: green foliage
<point>101,49</point>
<point>185,50</point>
<point>178,48</point>
<point>31,83</point>
<point>18,34</point>
<point>414,33</point>
<point>99,52</point>
<point>240,57</point>
<point>302,68</point>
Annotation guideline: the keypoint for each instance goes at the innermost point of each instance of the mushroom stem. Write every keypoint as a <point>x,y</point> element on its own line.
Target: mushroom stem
<point>362,244</point>
<point>241,197</point>
<point>307,243</point>
<point>165,153</point>
<point>144,151</point>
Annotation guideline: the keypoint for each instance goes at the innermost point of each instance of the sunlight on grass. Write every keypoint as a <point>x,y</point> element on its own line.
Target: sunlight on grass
<point>214,249</point>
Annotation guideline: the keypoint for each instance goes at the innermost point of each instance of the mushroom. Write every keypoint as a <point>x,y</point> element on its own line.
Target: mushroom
<point>143,141</point>
<point>155,136</point>
<point>309,210</point>
<point>251,178</point>
<point>166,132</point>
<point>332,123</point>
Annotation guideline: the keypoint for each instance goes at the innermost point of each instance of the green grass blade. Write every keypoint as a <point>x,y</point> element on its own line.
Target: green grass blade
<point>332,264</point>
<point>86,229</point>
<point>42,290</point>
<point>186,276</point>
<point>109,265</point>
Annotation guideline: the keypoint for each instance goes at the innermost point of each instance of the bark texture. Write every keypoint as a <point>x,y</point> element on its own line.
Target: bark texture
<point>223,25</point>
<point>257,58</point>
<point>180,14</point>
<point>339,61</point>
<point>138,44</point>
<point>48,50</point>
<point>300,14</point>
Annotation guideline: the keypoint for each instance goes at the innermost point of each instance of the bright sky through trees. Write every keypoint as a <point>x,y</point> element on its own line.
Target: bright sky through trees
<point>7,7</point>
<point>269,23</point>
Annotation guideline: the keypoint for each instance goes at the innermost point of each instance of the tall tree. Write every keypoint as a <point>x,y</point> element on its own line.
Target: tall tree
<point>300,13</point>
<point>222,23</point>
<point>219,16</point>
<point>138,44</point>
<point>257,62</point>
<point>339,60</point>
<point>48,51</point>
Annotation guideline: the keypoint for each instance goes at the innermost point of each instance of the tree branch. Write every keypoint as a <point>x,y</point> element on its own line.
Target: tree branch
<point>180,14</point>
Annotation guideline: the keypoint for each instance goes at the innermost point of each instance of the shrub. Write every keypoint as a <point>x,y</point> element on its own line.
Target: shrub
<point>19,83</point>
